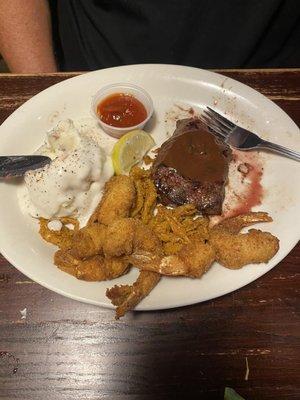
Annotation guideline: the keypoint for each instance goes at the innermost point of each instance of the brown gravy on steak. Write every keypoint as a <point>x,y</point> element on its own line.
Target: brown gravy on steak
<point>197,155</point>
<point>192,168</point>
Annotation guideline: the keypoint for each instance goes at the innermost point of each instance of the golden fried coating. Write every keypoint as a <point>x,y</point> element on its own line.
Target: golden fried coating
<point>100,268</point>
<point>175,226</point>
<point>193,260</point>
<point>88,241</point>
<point>119,237</point>
<point>117,201</point>
<point>115,267</point>
<point>137,173</point>
<point>223,244</point>
<point>96,268</point>
<point>146,194</point>
<point>129,228</point>
<point>126,297</point>
<point>65,261</point>
<point>149,201</point>
<point>196,258</point>
<point>128,235</point>
<point>234,250</point>
<point>146,239</point>
<point>118,295</point>
<point>235,224</point>
<point>139,203</point>
<point>61,238</point>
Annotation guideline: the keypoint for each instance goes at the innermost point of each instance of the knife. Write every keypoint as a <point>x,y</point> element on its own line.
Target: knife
<point>14,166</point>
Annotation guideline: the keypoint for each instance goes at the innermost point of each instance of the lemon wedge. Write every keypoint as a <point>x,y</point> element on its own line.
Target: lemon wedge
<point>130,149</point>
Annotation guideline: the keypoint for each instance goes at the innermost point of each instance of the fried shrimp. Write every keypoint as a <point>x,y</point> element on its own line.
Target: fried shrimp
<point>117,201</point>
<point>96,268</point>
<point>127,235</point>
<point>126,297</point>
<point>224,244</point>
<point>234,250</point>
<point>88,241</point>
<point>128,228</point>
<point>193,260</point>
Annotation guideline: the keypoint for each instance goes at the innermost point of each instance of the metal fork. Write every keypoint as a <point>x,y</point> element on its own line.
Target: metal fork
<point>239,137</point>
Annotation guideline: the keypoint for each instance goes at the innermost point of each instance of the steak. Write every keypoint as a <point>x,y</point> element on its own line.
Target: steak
<point>192,168</point>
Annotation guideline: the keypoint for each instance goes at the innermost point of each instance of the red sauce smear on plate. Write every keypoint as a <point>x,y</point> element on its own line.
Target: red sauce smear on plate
<point>121,110</point>
<point>244,190</point>
<point>251,170</point>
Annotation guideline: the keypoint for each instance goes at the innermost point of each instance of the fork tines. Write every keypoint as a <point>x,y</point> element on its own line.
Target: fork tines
<point>216,122</point>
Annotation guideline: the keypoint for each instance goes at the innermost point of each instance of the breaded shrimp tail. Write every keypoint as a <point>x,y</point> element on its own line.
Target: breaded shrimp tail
<point>235,224</point>
<point>126,297</point>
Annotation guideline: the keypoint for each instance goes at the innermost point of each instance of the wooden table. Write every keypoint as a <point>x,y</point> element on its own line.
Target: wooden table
<point>69,350</point>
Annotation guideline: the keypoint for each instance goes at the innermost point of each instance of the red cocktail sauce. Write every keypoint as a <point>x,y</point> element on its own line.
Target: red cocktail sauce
<point>121,110</point>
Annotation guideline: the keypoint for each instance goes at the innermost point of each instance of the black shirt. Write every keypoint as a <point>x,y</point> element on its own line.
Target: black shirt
<point>202,33</point>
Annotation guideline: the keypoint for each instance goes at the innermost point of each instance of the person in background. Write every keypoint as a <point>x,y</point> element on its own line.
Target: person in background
<point>46,36</point>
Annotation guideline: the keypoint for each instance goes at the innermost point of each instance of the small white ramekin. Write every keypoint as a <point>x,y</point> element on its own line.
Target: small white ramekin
<point>128,88</point>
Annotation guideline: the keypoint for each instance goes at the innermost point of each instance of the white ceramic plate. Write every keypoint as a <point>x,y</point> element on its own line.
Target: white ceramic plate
<point>24,131</point>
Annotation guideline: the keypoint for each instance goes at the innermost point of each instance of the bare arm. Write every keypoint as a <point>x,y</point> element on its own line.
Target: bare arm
<point>25,36</point>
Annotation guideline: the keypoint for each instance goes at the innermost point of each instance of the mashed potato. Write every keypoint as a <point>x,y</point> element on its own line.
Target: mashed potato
<point>71,184</point>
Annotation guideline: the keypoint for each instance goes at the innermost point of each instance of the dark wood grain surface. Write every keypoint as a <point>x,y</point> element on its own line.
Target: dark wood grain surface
<point>68,350</point>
